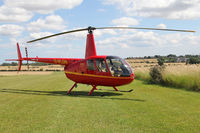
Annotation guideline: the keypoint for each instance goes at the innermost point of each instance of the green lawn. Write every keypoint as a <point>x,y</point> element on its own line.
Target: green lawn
<point>39,104</point>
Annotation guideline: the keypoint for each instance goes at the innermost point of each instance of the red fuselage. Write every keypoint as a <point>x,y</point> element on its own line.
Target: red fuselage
<point>97,70</point>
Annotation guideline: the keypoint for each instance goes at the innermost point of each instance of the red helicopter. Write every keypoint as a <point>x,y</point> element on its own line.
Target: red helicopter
<point>93,70</point>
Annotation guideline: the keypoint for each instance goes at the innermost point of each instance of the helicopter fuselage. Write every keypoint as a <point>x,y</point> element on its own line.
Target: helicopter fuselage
<point>101,71</point>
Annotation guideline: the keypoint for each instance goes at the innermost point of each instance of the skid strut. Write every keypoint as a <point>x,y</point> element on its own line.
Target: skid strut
<point>94,88</point>
<point>72,88</point>
<point>115,88</point>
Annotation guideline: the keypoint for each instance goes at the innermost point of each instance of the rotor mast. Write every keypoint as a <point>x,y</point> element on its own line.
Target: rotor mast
<point>90,43</point>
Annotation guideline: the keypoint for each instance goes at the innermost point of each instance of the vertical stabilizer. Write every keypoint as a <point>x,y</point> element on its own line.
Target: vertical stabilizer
<point>19,57</point>
<point>90,46</point>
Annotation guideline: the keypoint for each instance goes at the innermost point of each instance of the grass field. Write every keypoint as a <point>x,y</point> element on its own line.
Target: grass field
<point>39,104</point>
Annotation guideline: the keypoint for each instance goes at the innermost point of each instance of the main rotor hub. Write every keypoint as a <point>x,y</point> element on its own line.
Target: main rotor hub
<point>90,29</point>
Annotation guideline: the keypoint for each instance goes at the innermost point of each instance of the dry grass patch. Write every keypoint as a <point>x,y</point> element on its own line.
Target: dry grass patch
<point>24,73</point>
<point>181,76</point>
<point>33,68</point>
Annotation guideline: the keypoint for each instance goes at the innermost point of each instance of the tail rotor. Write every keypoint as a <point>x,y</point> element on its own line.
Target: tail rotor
<point>27,57</point>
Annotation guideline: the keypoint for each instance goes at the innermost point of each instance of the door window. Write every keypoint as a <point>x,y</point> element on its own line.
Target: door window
<point>101,65</point>
<point>90,65</point>
<point>118,67</point>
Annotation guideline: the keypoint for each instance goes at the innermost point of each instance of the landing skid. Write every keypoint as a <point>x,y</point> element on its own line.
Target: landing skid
<point>90,93</point>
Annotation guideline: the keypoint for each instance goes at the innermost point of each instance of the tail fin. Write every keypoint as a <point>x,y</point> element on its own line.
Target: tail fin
<point>19,52</point>
<point>19,58</point>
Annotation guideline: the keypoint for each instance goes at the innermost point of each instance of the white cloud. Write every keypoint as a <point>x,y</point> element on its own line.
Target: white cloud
<point>170,9</point>
<point>135,39</point>
<point>11,30</point>
<point>52,22</point>
<point>43,6</point>
<point>14,14</point>
<point>140,43</point>
<point>125,21</point>
<point>23,10</point>
<point>37,35</point>
<point>99,33</point>
<point>151,39</point>
<point>101,10</point>
<point>124,45</point>
<point>162,26</point>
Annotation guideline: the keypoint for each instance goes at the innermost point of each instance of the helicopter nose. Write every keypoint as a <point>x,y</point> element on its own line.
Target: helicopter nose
<point>132,76</point>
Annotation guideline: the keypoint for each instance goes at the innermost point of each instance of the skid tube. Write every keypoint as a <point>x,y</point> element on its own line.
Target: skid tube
<point>93,88</point>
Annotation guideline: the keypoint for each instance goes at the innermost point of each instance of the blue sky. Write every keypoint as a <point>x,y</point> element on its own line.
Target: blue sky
<point>22,20</point>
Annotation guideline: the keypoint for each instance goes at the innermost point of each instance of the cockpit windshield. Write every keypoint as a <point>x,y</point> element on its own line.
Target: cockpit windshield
<point>118,67</point>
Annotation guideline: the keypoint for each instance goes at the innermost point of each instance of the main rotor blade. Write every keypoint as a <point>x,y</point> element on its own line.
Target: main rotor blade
<point>145,29</point>
<point>57,35</point>
<point>93,28</point>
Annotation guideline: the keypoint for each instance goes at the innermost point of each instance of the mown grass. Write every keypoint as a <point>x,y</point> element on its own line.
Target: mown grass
<point>39,104</point>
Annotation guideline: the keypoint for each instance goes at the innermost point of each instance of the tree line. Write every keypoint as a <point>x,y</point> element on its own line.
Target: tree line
<point>172,58</point>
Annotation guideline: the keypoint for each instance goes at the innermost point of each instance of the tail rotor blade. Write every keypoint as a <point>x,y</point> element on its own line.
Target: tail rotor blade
<point>27,57</point>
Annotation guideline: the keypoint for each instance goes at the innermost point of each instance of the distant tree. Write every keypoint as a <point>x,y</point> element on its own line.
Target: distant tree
<point>161,61</point>
<point>9,64</point>
<point>189,56</point>
<point>4,64</point>
<point>194,60</point>
<point>171,56</point>
<point>149,57</point>
<point>14,64</point>
<point>181,56</point>
<point>157,56</point>
<point>172,60</point>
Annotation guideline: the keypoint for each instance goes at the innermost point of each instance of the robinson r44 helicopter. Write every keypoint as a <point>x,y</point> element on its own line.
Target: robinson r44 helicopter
<point>94,70</point>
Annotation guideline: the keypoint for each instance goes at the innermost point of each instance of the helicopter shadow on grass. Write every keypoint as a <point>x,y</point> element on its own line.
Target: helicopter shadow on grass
<point>118,90</point>
<point>83,94</point>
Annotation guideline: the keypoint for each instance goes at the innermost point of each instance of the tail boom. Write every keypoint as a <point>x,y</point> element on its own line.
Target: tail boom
<point>57,61</point>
